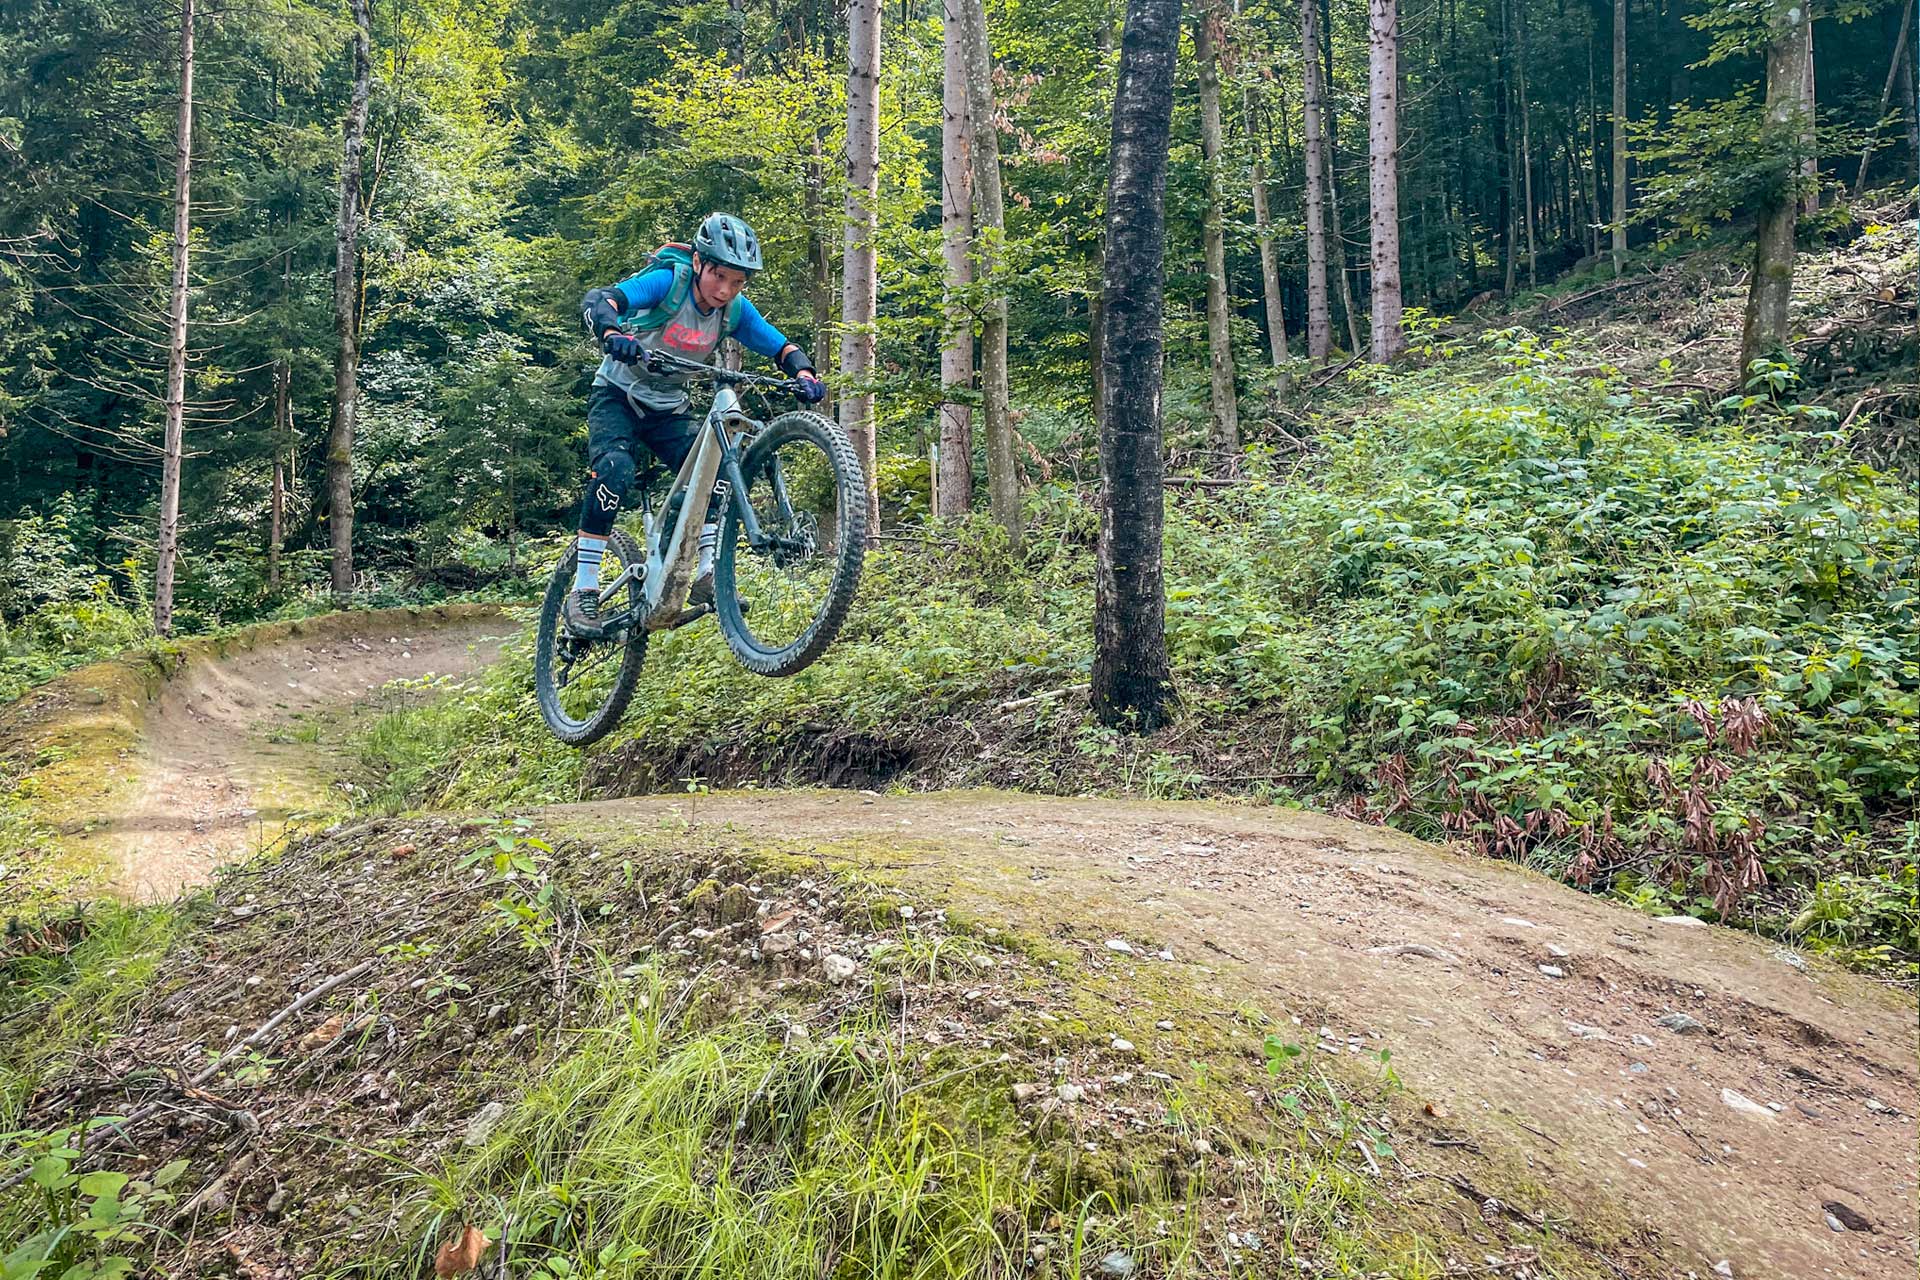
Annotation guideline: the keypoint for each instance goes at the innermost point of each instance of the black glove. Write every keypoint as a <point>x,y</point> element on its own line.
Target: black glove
<point>811,388</point>
<point>623,347</point>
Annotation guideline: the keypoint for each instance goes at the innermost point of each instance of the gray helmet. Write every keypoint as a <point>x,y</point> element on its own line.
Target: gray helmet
<point>726,240</point>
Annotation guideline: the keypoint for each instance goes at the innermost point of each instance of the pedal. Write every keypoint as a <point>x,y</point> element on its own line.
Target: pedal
<point>693,614</point>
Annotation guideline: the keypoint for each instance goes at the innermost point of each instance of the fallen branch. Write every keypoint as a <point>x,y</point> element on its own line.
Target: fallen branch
<point>1201,482</point>
<point>1016,703</point>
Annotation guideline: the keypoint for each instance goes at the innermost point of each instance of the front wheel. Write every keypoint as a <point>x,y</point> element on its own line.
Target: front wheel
<point>781,604</point>
<point>583,686</point>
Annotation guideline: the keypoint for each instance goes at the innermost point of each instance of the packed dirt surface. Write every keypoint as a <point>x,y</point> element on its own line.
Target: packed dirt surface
<point>1739,1109</point>
<point>237,745</point>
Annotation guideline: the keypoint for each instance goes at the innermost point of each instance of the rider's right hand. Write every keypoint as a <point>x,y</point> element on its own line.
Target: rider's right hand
<point>623,347</point>
<point>809,387</point>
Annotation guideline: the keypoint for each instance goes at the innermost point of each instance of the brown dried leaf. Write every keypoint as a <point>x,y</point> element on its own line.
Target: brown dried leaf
<point>402,851</point>
<point>778,921</point>
<point>462,1254</point>
<point>324,1034</point>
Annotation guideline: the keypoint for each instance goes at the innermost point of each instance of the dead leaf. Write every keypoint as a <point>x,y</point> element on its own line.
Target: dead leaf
<point>247,1266</point>
<point>463,1254</point>
<point>402,851</point>
<point>1438,1113</point>
<point>1887,295</point>
<point>778,921</point>
<point>324,1034</point>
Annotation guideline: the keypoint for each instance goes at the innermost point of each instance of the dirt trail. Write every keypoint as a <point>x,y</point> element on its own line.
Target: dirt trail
<point>236,745</point>
<point>1771,1134</point>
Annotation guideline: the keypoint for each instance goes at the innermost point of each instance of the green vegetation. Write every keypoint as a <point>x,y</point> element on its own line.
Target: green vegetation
<point>1663,650</point>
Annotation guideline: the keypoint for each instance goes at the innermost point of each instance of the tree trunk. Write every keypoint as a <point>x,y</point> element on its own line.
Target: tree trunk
<point>859,304</point>
<point>1223,434</point>
<point>282,412</point>
<point>1619,136</point>
<point>1003,481</point>
<point>1343,279</point>
<point>167,548</point>
<point>1907,82</point>
<point>1319,327</point>
<point>1886,95</point>
<point>1132,683</point>
<point>1526,143</point>
<point>1097,338</point>
<point>346,293</point>
<point>1810,144</point>
<point>1771,287</point>
<point>953,484</point>
<point>1263,231</point>
<point>1383,131</point>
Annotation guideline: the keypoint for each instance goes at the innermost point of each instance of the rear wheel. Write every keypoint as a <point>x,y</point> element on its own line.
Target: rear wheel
<point>584,685</point>
<point>780,605</point>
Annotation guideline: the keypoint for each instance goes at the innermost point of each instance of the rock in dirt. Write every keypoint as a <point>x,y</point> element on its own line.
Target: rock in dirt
<point>1680,1024</point>
<point>1118,1265</point>
<point>484,1122</point>
<point>1422,949</point>
<point>1742,1103</point>
<point>1026,1093</point>
<point>1120,945</point>
<point>1848,1217</point>
<point>1122,1045</point>
<point>1069,1093</point>
<point>1584,1032</point>
<point>840,968</point>
<point>1552,971</point>
<point>1690,921</point>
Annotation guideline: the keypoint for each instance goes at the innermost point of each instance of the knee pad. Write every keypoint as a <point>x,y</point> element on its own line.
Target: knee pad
<point>613,473</point>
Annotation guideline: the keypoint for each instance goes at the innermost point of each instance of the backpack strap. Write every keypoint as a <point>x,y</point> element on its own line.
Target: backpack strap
<point>657,316</point>
<point>734,310</point>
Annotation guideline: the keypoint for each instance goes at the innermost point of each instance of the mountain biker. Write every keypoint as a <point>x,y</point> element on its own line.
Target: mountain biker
<point>687,309</point>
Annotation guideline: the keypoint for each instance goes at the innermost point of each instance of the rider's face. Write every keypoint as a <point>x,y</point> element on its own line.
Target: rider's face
<point>719,285</point>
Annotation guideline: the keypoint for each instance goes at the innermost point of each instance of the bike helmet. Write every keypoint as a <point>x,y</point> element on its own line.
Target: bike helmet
<point>726,240</point>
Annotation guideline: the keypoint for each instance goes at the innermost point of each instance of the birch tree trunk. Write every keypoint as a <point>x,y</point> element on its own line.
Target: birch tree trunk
<point>1771,287</point>
<point>859,303</point>
<point>820,266</point>
<point>1383,30</point>
<point>1223,435</point>
<point>1319,327</point>
<point>1003,481</point>
<point>282,413</point>
<point>167,546</point>
<point>1132,682</point>
<point>346,294</point>
<point>953,483</point>
<point>1619,136</point>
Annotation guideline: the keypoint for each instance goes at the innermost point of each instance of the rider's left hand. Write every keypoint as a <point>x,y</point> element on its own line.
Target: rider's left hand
<point>811,388</point>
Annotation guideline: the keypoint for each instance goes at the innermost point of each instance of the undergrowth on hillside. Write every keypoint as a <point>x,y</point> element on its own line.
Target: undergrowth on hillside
<point>1508,601</point>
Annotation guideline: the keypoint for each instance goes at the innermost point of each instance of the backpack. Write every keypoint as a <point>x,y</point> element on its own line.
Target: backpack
<point>678,257</point>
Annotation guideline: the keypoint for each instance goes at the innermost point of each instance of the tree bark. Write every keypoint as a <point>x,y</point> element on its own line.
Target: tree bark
<point>1319,326</point>
<point>1619,136</point>
<point>1263,231</point>
<point>1383,130</point>
<point>859,304</point>
<point>1886,95</point>
<point>1132,682</point>
<point>167,547</point>
<point>282,413</point>
<point>1526,143</point>
<point>1223,434</point>
<point>346,293</point>
<point>1343,279</point>
<point>953,483</point>
<point>1771,288</point>
<point>1003,480</point>
<point>1810,145</point>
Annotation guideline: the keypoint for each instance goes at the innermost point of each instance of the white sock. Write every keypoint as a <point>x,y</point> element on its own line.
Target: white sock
<point>587,555</point>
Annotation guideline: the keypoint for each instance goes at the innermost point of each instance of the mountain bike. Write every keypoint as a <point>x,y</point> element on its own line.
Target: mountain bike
<point>790,501</point>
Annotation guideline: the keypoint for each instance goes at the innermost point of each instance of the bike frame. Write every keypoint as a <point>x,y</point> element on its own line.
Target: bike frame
<point>672,554</point>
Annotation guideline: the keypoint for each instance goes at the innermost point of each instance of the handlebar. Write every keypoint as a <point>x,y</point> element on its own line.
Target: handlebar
<point>667,362</point>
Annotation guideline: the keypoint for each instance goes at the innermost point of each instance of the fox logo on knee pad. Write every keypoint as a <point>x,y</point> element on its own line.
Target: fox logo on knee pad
<point>607,498</point>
